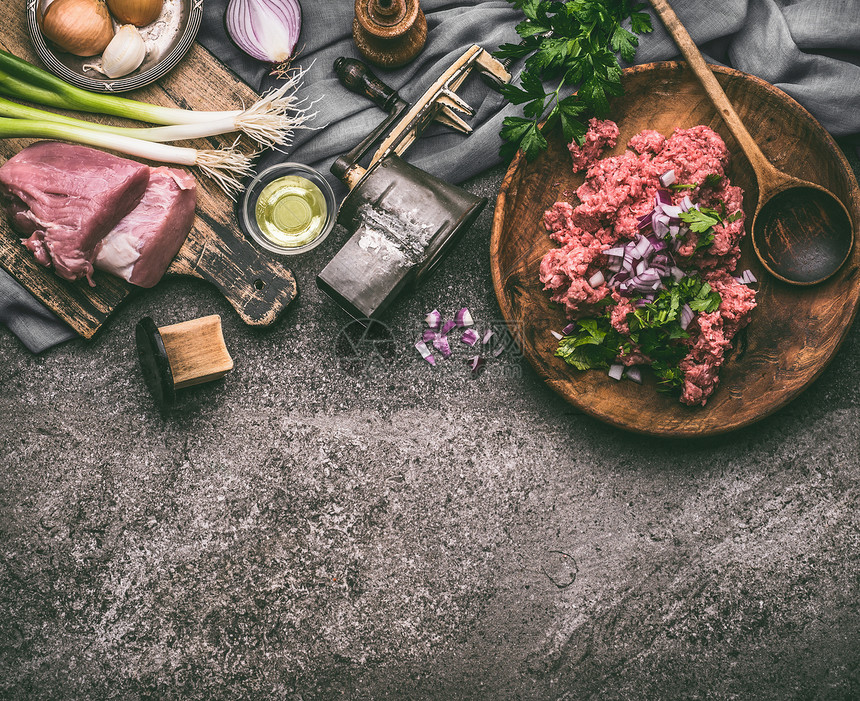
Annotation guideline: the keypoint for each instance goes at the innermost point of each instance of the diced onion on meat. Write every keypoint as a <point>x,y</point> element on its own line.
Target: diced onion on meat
<point>687,315</point>
<point>597,279</point>
<point>668,178</point>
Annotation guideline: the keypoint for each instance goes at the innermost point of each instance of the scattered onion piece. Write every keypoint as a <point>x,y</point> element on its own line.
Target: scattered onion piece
<point>557,335</point>
<point>425,352</point>
<point>441,344</point>
<point>569,328</point>
<point>469,337</point>
<point>433,319</point>
<point>668,178</point>
<point>476,362</point>
<point>487,336</point>
<point>616,371</point>
<point>429,335</point>
<point>634,373</point>
<point>463,317</point>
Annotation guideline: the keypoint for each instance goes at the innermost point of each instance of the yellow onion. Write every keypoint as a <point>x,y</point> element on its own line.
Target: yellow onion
<point>81,27</point>
<point>136,12</point>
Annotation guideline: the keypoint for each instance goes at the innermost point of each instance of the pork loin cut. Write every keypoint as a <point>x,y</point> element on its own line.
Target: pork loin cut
<point>141,246</point>
<point>66,198</point>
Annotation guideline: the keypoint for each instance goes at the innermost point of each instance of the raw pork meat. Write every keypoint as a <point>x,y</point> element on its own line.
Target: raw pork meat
<point>66,198</point>
<point>141,246</point>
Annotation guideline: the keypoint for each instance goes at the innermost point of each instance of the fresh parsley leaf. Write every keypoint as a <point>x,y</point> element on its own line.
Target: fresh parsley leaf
<point>713,179</point>
<point>624,42</point>
<point>575,43</point>
<point>655,331</point>
<point>700,220</point>
<point>684,186</point>
<point>734,217</point>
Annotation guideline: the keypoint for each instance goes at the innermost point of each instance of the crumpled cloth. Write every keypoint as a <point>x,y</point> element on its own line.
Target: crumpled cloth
<point>808,48</point>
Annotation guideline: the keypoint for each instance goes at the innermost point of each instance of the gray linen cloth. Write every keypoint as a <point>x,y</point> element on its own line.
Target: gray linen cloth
<point>808,48</point>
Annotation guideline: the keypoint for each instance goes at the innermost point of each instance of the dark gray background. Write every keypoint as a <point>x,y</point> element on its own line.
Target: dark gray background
<point>321,526</point>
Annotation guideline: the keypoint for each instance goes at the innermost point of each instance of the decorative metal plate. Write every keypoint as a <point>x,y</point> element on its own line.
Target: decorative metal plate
<point>167,39</point>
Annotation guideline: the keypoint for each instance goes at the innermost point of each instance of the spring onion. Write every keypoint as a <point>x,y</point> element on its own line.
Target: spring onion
<point>269,121</point>
<point>225,166</point>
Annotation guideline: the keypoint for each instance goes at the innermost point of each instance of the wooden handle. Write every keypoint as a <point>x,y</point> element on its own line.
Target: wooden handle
<point>763,168</point>
<point>258,287</point>
<point>196,351</point>
<point>357,77</point>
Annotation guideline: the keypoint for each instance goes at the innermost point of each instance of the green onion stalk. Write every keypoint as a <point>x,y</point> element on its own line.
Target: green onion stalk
<point>226,166</point>
<point>270,121</point>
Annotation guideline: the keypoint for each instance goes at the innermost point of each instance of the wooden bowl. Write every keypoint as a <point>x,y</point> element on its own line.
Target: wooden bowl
<point>794,332</point>
<point>168,39</point>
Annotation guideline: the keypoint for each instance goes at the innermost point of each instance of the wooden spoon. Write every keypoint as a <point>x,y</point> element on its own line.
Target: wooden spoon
<point>801,232</point>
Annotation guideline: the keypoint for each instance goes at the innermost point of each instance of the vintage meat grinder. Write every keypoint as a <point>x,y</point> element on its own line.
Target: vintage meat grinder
<point>403,219</point>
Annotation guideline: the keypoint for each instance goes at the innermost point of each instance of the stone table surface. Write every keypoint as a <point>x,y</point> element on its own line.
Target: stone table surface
<point>338,520</point>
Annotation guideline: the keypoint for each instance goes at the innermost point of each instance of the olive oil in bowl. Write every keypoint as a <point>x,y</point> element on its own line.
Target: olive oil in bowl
<point>289,208</point>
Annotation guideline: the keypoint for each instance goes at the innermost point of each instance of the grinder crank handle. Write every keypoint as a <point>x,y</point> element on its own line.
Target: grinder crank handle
<point>357,77</point>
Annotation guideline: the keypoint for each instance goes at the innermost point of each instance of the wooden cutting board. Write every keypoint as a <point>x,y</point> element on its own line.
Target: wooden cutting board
<point>256,285</point>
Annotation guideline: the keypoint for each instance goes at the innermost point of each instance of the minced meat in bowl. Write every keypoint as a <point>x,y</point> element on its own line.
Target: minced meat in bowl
<point>645,267</point>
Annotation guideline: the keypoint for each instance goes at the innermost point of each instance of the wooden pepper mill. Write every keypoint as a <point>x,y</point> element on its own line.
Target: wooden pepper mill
<point>389,33</point>
<point>181,355</point>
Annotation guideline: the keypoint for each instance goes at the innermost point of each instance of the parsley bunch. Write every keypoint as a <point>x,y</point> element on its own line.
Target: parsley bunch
<point>655,331</point>
<point>574,43</point>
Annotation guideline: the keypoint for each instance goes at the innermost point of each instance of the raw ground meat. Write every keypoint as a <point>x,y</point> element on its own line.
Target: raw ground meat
<point>617,191</point>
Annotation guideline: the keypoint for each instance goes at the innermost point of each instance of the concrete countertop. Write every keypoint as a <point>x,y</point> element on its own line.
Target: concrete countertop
<point>337,519</point>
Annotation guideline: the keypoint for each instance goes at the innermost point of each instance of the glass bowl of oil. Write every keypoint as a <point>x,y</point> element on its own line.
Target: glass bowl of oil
<point>288,208</point>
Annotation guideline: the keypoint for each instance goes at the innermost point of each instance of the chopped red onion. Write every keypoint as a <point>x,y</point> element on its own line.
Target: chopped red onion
<point>557,335</point>
<point>487,336</point>
<point>644,247</point>
<point>668,178</point>
<point>671,211</point>
<point>616,371</point>
<point>463,317</point>
<point>634,373</point>
<point>429,335</point>
<point>677,273</point>
<point>425,352</point>
<point>441,344</point>
<point>687,316</point>
<point>663,197</point>
<point>469,337</point>
<point>433,319</point>
<point>447,326</point>
<point>597,279</point>
<point>476,362</point>
<point>686,204</point>
<point>569,328</point>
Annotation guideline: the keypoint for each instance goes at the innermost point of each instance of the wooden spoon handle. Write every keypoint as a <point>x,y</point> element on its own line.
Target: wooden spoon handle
<point>763,168</point>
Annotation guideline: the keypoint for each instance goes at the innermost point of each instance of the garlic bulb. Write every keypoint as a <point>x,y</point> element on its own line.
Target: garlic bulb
<point>81,27</point>
<point>125,52</point>
<point>136,12</point>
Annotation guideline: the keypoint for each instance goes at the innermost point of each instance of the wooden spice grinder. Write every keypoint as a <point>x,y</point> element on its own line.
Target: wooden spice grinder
<point>389,33</point>
<point>181,355</point>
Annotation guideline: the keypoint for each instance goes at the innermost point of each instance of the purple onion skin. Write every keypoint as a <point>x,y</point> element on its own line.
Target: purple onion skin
<point>238,20</point>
